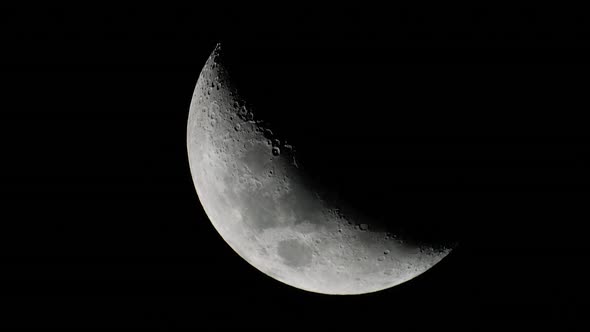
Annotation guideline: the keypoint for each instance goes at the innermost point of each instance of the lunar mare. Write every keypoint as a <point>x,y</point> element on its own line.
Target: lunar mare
<point>252,189</point>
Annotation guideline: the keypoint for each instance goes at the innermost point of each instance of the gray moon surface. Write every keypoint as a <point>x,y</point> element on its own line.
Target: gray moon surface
<point>261,203</point>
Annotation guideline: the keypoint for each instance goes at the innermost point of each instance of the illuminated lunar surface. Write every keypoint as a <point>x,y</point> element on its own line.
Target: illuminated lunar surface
<point>262,204</point>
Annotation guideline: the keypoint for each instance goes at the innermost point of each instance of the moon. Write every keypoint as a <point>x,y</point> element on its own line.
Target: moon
<point>263,204</point>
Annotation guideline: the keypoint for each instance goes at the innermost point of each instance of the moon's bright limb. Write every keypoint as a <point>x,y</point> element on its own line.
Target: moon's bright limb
<point>261,203</point>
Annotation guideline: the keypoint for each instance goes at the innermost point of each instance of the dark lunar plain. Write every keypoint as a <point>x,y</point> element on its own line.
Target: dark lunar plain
<point>470,123</point>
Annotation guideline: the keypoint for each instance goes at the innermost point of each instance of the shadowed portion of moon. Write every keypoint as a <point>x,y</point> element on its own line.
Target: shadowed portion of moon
<point>302,194</point>
<point>362,141</point>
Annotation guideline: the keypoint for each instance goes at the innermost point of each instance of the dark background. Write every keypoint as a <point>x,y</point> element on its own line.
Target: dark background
<point>479,114</point>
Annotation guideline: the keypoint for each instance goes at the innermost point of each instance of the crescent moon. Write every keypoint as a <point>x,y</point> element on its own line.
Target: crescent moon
<point>266,209</point>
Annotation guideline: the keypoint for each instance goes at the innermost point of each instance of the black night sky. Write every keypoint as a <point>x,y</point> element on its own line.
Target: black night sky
<point>479,114</point>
